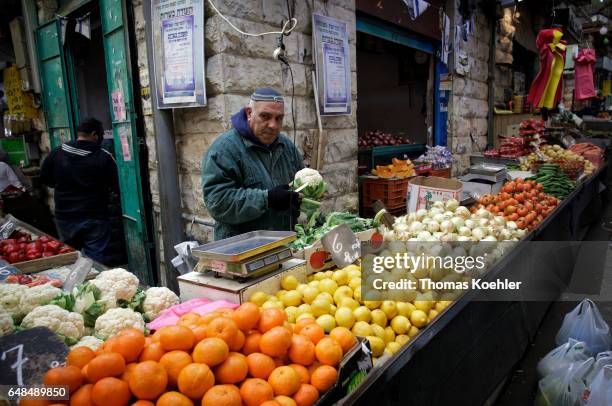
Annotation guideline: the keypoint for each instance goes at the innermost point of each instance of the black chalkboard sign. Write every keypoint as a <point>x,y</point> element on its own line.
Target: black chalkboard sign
<point>342,245</point>
<point>27,355</point>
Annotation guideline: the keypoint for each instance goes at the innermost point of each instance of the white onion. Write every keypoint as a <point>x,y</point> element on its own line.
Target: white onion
<point>505,234</point>
<point>483,214</point>
<point>420,214</point>
<point>490,238</point>
<point>438,205</point>
<point>483,222</point>
<point>463,238</point>
<point>452,205</point>
<point>499,221</point>
<point>479,233</point>
<point>457,222</point>
<point>465,232</point>
<point>411,217</point>
<point>446,226</point>
<point>462,211</point>
<point>416,227</point>
<point>423,236</point>
<point>433,226</point>
<point>439,217</point>
<point>438,235</point>
<point>401,227</point>
<point>471,224</point>
<point>511,225</point>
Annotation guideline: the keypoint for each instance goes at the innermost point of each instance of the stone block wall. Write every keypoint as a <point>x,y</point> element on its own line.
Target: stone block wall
<point>235,66</point>
<point>467,120</point>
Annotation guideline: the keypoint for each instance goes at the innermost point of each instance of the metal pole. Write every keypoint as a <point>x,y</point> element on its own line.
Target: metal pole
<point>491,115</point>
<point>167,174</point>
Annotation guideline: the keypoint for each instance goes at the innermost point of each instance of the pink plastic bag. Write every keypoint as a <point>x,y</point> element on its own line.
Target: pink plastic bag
<point>202,306</point>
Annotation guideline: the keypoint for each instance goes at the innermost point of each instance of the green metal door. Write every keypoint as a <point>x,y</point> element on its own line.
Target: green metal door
<point>121,97</point>
<point>54,82</point>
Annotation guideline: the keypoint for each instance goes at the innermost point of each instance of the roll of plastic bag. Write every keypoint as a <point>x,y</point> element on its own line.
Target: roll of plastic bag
<point>585,324</point>
<point>562,356</point>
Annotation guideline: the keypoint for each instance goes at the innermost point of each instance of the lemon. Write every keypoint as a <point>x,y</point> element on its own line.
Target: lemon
<point>280,293</point>
<point>362,313</point>
<point>379,317</point>
<point>405,308</point>
<point>332,309</point>
<point>413,331</point>
<point>292,298</point>
<point>377,345</point>
<point>328,285</point>
<point>320,307</point>
<point>353,273</point>
<point>400,324</point>
<point>393,347</point>
<point>348,302</point>
<point>355,283</point>
<point>344,317</point>
<point>327,322</point>
<point>439,307</point>
<point>300,288</point>
<point>372,304</point>
<point>357,294</point>
<point>326,297</point>
<point>314,284</point>
<point>379,331</point>
<point>423,305</point>
<point>389,334</point>
<point>418,318</point>
<point>310,294</point>
<point>269,304</point>
<point>310,278</point>
<point>259,298</point>
<point>304,308</point>
<point>342,291</point>
<point>389,307</point>
<point>432,315</point>
<point>292,313</point>
<point>305,316</point>
<point>319,276</point>
<point>362,329</point>
<point>352,268</point>
<point>341,277</point>
<point>289,282</point>
<point>402,339</point>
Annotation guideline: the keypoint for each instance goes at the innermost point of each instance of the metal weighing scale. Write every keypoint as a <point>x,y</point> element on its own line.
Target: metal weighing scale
<point>247,255</point>
<point>483,179</point>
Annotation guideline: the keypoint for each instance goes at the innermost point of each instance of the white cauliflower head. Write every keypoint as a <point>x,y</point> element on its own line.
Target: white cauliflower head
<point>157,300</point>
<point>68,325</point>
<point>37,296</point>
<point>115,320</point>
<point>116,284</point>
<point>10,296</point>
<point>89,341</point>
<point>6,322</point>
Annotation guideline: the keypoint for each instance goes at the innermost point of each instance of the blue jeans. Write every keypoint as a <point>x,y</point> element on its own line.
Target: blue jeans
<point>92,236</point>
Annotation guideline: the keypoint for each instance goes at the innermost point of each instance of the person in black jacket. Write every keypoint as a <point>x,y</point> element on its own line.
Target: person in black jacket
<point>83,175</point>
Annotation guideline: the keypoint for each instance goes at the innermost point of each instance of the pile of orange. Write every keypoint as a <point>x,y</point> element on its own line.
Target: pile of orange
<point>245,356</point>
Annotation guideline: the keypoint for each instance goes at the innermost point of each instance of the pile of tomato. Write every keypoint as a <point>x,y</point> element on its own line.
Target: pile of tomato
<point>22,247</point>
<point>521,201</point>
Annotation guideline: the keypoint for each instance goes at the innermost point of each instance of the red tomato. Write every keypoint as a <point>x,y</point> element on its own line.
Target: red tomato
<point>46,254</point>
<point>14,256</point>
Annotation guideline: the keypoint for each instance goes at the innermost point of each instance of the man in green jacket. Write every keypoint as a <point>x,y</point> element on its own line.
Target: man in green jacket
<point>247,171</point>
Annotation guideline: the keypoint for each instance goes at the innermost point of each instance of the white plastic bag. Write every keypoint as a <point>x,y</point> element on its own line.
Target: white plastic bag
<point>564,387</point>
<point>585,323</point>
<point>568,353</point>
<point>600,392</point>
<point>600,363</point>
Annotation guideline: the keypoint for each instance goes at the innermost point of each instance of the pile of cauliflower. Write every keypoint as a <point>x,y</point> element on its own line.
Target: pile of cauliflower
<point>97,310</point>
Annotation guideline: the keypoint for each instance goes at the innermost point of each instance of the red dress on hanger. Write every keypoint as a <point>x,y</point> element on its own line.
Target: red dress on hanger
<point>546,89</point>
<point>584,86</point>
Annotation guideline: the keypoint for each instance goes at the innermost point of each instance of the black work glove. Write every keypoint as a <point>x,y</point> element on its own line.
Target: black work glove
<point>281,198</point>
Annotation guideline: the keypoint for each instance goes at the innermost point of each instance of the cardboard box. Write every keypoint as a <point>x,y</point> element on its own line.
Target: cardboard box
<point>196,284</point>
<point>423,192</point>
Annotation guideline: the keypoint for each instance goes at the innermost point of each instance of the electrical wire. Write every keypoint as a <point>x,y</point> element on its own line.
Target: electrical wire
<point>283,31</point>
<point>292,103</point>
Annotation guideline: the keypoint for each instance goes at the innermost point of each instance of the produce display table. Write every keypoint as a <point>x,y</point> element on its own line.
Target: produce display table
<point>473,346</point>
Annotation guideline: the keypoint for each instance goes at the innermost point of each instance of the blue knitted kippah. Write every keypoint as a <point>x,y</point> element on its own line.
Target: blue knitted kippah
<point>267,94</point>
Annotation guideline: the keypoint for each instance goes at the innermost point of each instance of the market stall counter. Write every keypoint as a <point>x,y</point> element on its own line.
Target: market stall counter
<point>470,349</point>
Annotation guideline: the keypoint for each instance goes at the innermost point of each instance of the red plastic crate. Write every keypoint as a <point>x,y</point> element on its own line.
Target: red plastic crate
<point>392,192</point>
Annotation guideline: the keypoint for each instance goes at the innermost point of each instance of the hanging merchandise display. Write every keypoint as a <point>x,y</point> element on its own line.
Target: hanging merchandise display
<point>584,86</point>
<point>546,89</point>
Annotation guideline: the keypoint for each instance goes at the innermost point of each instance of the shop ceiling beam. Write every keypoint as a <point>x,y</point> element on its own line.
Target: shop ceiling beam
<point>167,172</point>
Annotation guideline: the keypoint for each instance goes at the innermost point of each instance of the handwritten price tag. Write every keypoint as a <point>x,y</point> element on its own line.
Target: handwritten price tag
<point>342,245</point>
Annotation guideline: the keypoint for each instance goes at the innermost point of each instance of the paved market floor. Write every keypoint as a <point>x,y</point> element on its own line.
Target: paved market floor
<point>588,282</point>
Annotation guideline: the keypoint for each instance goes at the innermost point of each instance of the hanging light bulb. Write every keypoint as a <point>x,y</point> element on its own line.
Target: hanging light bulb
<point>603,30</point>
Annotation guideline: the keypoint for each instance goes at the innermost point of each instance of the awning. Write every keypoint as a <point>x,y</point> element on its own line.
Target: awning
<point>525,34</point>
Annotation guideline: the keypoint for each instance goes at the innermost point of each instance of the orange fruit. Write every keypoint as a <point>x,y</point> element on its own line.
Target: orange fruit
<point>84,372</point>
<point>105,365</point>
<point>129,368</point>
<point>152,352</point>
<point>208,317</point>
<point>174,362</point>
<point>260,365</point>
<point>270,403</point>
<point>300,324</point>
<point>302,372</point>
<point>173,399</point>
<point>142,402</point>
<point>226,311</point>
<point>255,391</point>
<point>155,336</point>
<point>270,318</point>
<point>188,319</point>
<point>148,380</point>
<point>306,395</point>
<point>199,332</point>
<point>223,328</point>
<point>238,342</point>
<point>80,356</point>
<point>226,395</point>
<point>275,342</point>
<point>246,316</point>
<point>210,351</point>
<point>251,343</point>
<point>324,378</point>
<point>344,337</point>
<point>285,400</point>
<point>302,350</point>
<point>284,381</point>
<point>233,370</point>
<point>110,391</point>
<point>108,344</point>
<point>82,397</point>
<point>314,332</point>
<point>70,375</point>
<point>328,352</point>
<point>195,379</point>
<point>313,367</point>
<point>129,344</point>
<point>176,338</point>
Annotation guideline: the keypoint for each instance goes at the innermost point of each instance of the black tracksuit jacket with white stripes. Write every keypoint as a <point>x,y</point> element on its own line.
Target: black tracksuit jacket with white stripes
<point>82,173</point>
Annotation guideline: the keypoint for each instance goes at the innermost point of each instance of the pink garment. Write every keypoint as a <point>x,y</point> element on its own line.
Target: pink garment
<point>584,88</point>
<point>202,306</point>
